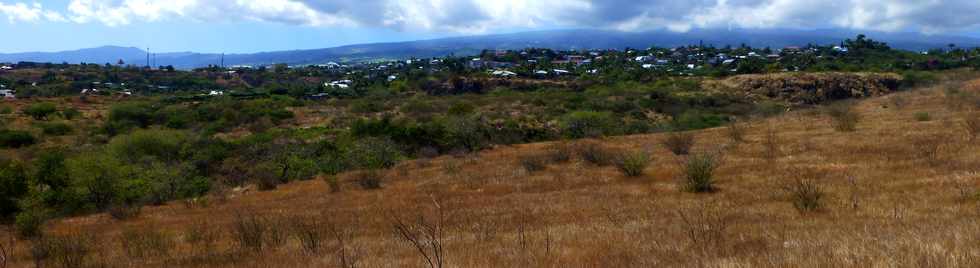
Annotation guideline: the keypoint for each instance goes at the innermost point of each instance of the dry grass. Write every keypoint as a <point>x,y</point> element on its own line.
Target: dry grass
<point>883,205</point>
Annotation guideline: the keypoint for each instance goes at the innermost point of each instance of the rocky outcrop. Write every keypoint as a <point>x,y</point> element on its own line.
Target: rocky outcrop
<point>811,88</point>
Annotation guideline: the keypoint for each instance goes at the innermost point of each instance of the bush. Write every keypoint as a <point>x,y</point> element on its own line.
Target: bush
<point>124,211</point>
<point>69,251</point>
<point>55,128</point>
<point>40,111</point>
<point>249,231</point>
<point>333,182</point>
<point>972,125</point>
<point>922,116</point>
<point>843,116</point>
<point>375,153</point>
<point>595,153</point>
<point>146,243</point>
<point>805,194</point>
<point>30,222</point>
<point>587,124</point>
<point>699,173</point>
<point>13,186</point>
<point>534,162</point>
<point>736,131</point>
<point>560,152</point>
<point>369,179</point>
<point>164,145</point>
<point>125,116</point>
<point>15,138</point>
<point>632,164</point>
<point>4,109</point>
<point>679,143</point>
<point>71,113</point>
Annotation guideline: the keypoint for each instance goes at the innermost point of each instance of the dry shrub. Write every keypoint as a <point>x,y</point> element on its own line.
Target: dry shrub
<point>632,164</point>
<point>311,234</point>
<point>806,194</point>
<point>202,236</point>
<point>249,231</point>
<point>426,235</point>
<point>560,152</point>
<point>843,116</point>
<point>124,211</point>
<point>3,255</point>
<point>69,251</point>
<point>534,162</point>
<point>698,175</point>
<point>770,142</point>
<point>930,148</point>
<point>972,125</point>
<point>277,231</point>
<point>706,225</point>
<point>139,244</point>
<point>333,182</point>
<point>369,179</point>
<point>596,153</point>
<point>679,143</point>
<point>348,251</point>
<point>736,131</point>
<point>899,101</point>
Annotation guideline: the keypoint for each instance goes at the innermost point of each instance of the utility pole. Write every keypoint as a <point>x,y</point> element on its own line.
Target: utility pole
<point>148,58</point>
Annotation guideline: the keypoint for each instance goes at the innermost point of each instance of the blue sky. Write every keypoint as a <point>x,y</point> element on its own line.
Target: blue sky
<point>240,26</point>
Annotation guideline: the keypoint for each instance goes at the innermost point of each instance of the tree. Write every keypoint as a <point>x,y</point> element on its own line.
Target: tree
<point>41,111</point>
<point>13,186</point>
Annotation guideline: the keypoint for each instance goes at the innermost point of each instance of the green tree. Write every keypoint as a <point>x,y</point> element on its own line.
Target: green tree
<point>40,111</point>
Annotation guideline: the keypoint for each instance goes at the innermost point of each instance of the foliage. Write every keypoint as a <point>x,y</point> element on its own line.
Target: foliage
<point>632,164</point>
<point>13,186</point>
<point>55,128</point>
<point>844,117</point>
<point>679,143</point>
<point>699,173</point>
<point>587,124</point>
<point>15,138</point>
<point>41,110</point>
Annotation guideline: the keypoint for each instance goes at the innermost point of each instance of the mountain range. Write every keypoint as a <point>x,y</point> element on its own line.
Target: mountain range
<point>471,45</point>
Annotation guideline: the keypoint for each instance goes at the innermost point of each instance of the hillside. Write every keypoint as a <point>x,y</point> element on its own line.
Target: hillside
<point>576,39</point>
<point>900,190</point>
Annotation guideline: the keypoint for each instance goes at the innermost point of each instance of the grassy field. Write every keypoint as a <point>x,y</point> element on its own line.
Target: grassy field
<point>793,192</point>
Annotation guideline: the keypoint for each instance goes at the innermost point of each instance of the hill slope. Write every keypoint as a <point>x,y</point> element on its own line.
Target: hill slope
<point>886,202</point>
<point>469,45</point>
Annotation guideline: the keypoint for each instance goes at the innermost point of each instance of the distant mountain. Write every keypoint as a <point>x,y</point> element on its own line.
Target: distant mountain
<point>469,45</point>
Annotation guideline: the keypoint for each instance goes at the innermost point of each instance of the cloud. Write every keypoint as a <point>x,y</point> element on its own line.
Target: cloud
<point>474,16</point>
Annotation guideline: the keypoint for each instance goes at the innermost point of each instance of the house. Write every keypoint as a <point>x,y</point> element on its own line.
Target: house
<point>560,72</point>
<point>7,93</point>
<point>338,84</point>
<point>216,93</point>
<point>502,73</point>
<point>541,72</point>
<point>728,62</point>
<point>840,49</point>
<point>647,66</point>
<point>644,59</point>
<point>6,68</point>
<point>392,78</point>
<point>90,91</point>
<point>476,63</point>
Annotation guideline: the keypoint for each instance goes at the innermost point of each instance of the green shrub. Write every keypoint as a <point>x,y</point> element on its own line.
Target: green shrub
<point>13,186</point>
<point>71,113</point>
<point>843,116</point>
<point>30,222</point>
<point>461,109</point>
<point>164,145</point>
<point>55,128</point>
<point>922,116</point>
<point>333,182</point>
<point>15,138</point>
<point>632,164</point>
<point>696,119</point>
<point>587,124</point>
<point>679,143</point>
<point>4,109</point>
<point>699,173</point>
<point>40,111</point>
<point>375,153</point>
<point>129,115</point>
<point>249,231</point>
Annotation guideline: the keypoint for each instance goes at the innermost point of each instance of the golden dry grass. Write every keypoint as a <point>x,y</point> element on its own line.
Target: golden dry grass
<point>885,206</point>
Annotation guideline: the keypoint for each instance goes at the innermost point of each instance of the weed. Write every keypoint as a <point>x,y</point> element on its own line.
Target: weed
<point>806,194</point>
<point>632,164</point>
<point>595,153</point>
<point>843,116</point>
<point>679,143</point>
<point>534,162</point>
<point>699,171</point>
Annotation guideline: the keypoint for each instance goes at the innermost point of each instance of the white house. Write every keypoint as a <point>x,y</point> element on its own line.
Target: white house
<point>216,93</point>
<point>561,72</point>
<point>5,67</point>
<point>338,84</point>
<point>502,73</point>
<point>7,93</point>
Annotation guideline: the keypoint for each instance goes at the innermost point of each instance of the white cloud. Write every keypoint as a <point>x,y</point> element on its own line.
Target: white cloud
<point>487,15</point>
<point>22,12</point>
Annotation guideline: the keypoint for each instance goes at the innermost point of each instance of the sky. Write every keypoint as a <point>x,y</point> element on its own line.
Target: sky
<point>244,26</point>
